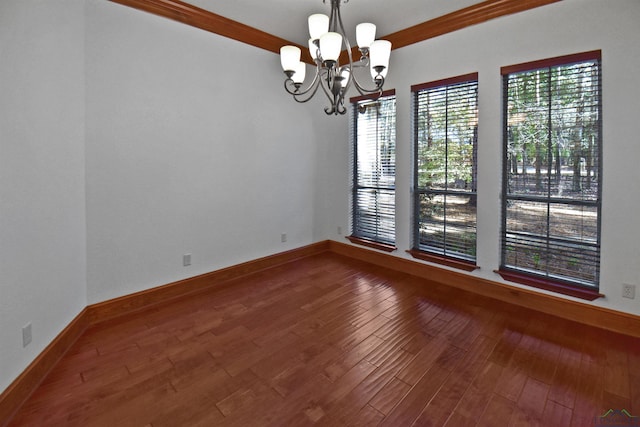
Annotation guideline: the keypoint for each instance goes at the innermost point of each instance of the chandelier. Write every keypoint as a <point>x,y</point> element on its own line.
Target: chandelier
<point>326,42</point>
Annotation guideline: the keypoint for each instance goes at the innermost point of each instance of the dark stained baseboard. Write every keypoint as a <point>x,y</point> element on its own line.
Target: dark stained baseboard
<point>109,309</point>
<point>588,314</point>
<point>18,392</point>
<point>21,388</point>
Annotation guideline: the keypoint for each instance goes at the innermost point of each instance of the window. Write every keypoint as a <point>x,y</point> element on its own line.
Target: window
<point>373,132</point>
<point>552,174</point>
<point>444,172</point>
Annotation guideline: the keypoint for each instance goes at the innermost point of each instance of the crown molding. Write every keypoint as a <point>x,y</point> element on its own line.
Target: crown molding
<point>472,15</point>
<point>200,18</point>
<point>189,14</point>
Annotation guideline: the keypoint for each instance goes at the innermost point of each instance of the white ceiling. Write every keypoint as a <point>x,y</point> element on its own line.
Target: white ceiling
<point>288,18</point>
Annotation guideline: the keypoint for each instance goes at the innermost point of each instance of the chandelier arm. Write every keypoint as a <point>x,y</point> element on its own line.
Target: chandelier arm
<point>362,62</point>
<point>341,109</point>
<point>337,106</point>
<point>331,109</point>
<point>359,87</point>
<point>297,91</point>
<point>298,97</point>
<point>345,39</point>
<point>326,90</point>
<point>365,91</point>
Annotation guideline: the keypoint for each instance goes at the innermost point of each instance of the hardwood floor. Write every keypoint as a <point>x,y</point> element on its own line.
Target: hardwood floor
<point>328,341</point>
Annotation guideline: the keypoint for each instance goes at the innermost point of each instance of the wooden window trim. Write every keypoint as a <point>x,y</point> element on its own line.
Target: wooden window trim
<point>471,77</point>
<point>549,285</point>
<point>523,277</point>
<point>371,244</point>
<point>443,260</point>
<point>593,55</point>
<point>416,252</point>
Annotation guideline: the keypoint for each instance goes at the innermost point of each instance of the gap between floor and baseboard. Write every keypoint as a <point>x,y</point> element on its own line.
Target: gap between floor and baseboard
<point>22,387</point>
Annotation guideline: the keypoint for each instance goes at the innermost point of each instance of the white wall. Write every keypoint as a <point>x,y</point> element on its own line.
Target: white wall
<point>127,145</point>
<point>332,158</point>
<point>566,27</point>
<point>192,147</point>
<point>42,199</point>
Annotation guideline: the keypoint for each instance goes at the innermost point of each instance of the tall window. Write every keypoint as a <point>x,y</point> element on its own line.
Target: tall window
<point>552,174</point>
<point>373,133</point>
<point>444,171</point>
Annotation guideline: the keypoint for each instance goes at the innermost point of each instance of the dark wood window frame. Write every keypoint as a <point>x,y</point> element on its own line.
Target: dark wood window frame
<point>532,278</point>
<point>445,258</point>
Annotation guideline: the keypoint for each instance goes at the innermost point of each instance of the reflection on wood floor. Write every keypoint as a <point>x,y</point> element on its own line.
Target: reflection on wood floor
<point>328,341</point>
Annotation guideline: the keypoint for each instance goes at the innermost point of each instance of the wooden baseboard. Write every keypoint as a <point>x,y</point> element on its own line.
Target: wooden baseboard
<point>106,310</point>
<point>600,317</point>
<point>19,391</point>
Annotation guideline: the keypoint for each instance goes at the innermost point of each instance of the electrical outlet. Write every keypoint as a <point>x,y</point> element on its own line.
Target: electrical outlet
<point>26,334</point>
<point>186,260</point>
<point>340,230</point>
<point>283,237</point>
<point>628,291</point>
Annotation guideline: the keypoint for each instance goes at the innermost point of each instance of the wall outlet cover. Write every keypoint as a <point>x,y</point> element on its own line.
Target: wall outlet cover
<point>628,291</point>
<point>26,334</point>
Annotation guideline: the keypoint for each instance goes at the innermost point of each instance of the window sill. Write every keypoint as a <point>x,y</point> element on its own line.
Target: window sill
<point>443,260</point>
<point>371,244</point>
<point>550,285</point>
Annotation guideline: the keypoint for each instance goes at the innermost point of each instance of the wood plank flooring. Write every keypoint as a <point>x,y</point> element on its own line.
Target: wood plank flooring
<point>328,341</point>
